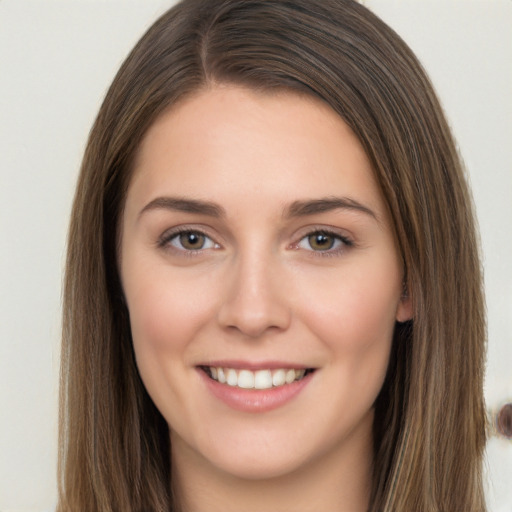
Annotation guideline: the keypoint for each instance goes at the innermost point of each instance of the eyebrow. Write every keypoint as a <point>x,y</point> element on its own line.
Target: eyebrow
<point>327,204</point>
<point>300,208</point>
<point>179,204</point>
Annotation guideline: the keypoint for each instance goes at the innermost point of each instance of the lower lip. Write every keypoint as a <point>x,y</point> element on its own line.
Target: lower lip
<point>255,400</point>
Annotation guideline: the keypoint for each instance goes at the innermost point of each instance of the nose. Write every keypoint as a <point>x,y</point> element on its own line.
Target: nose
<point>255,300</point>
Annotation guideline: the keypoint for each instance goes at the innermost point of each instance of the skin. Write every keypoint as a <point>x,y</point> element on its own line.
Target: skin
<point>260,290</point>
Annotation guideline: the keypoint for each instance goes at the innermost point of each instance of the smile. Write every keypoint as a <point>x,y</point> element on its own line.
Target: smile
<point>260,379</point>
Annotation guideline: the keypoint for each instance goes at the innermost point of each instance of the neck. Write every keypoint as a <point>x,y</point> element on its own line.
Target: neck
<point>336,481</point>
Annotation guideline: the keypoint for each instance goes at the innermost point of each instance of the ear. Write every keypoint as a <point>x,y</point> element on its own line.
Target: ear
<point>404,310</point>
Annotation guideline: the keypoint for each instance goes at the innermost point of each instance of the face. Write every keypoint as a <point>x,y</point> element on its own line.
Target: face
<point>262,279</point>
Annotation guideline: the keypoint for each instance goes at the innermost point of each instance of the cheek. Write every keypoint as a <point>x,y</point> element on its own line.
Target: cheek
<point>166,313</point>
<point>356,308</point>
<point>353,314</point>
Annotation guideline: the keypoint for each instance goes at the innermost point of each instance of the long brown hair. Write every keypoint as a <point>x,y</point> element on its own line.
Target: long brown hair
<point>429,430</point>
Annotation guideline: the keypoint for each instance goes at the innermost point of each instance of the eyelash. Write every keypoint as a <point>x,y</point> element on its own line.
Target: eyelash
<point>166,239</point>
<point>344,242</point>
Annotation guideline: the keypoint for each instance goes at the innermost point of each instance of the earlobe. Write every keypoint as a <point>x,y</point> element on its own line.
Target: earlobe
<point>404,311</point>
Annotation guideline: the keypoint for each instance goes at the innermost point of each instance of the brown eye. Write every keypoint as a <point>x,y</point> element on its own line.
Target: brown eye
<point>188,241</point>
<point>327,242</point>
<point>192,240</point>
<point>321,241</point>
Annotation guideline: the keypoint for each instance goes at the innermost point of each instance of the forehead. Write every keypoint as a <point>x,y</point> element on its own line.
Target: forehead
<point>229,139</point>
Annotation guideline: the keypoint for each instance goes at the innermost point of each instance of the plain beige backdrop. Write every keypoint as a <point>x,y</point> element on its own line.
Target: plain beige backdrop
<point>56,60</point>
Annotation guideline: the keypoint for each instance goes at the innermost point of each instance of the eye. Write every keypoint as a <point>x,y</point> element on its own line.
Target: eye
<point>323,241</point>
<point>189,240</point>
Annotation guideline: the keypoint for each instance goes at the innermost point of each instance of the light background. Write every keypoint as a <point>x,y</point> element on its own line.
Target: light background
<point>57,59</point>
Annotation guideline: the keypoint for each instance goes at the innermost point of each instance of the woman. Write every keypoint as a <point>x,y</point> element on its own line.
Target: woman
<point>273,296</point>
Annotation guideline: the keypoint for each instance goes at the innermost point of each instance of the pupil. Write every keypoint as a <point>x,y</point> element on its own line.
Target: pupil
<point>191,240</point>
<point>321,241</point>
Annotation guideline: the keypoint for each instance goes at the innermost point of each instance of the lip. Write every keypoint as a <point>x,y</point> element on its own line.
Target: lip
<point>238,364</point>
<point>254,400</point>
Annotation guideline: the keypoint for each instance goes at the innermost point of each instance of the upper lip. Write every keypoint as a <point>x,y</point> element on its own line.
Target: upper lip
<point>254,365</point>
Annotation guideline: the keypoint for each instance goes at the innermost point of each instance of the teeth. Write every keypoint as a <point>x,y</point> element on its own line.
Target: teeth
<point>279,377</point>
<point>261,379</point>
<point>290,376</point>
<point>232,377</point>
<point>246,379</point>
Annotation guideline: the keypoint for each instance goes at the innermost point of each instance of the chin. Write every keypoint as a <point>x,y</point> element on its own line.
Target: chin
<point>254,454</point>
<point>254,466</point>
